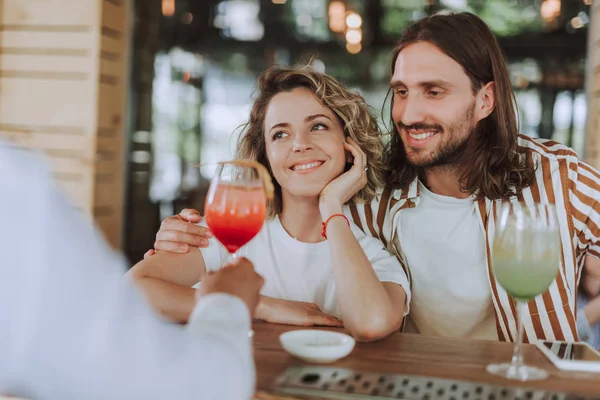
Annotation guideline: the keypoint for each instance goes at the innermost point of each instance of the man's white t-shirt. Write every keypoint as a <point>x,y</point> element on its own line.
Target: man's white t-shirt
<point>303,271</point>
<point>444,242</point>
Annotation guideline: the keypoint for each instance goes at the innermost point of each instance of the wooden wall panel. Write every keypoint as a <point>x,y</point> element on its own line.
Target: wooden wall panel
<point>66,64</point>
<point>63,80</point>
<point>110,158</point>
<point>46,40</point>
<point>113,16</point>
<point>48,141</point>
<point>67,165</point>
<point>105,192</point>
<point>49,12</point>
<point>26,101</point>
<point>110,110</point>
<point>111,40</point>
<point>112,68</point>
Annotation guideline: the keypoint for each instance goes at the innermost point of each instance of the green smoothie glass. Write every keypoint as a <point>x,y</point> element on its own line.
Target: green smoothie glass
<point>525,261</point>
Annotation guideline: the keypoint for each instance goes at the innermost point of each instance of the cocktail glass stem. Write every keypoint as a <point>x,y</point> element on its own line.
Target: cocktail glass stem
<point>231,258</point>
<point>517,369</point>
<point>517,358</point>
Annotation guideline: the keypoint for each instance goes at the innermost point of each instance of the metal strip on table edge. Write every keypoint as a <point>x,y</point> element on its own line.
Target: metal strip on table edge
<point>340,383</point>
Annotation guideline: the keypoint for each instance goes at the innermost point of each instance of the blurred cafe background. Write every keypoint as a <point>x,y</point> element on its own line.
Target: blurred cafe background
<point>123,97</point>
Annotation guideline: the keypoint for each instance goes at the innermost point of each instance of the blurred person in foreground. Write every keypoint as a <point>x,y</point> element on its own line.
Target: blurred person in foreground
<point>454,158</point>
<point>73,327</point>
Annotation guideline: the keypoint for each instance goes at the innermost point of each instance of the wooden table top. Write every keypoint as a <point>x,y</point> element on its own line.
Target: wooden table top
<point>411,354</point>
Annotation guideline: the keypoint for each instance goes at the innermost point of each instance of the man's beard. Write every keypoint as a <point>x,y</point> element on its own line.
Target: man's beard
<point>449,154</point>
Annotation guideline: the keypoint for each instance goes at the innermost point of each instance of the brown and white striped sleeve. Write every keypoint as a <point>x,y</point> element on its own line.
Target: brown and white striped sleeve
<point>585,208</point>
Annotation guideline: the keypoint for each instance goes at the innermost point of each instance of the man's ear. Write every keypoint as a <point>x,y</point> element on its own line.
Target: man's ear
<point>486,101</point>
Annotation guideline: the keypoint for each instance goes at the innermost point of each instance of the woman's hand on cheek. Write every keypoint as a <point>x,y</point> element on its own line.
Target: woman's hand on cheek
<point>341,189</point>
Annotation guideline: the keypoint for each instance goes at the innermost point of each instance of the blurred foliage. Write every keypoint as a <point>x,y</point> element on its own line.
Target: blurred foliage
<point>505,17</point>
<point>396,19</point>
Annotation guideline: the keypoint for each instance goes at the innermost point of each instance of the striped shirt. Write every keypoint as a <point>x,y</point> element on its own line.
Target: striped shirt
<point>561,179</point>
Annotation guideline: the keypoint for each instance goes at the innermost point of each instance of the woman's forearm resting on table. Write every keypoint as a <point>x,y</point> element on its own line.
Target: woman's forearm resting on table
<point>176,302</point>
<point>173,302</point>
<point>371,309</point>
<point>166,280</point>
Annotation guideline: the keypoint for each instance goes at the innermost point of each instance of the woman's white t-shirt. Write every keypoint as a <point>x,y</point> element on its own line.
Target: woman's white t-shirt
<point>303,271</point>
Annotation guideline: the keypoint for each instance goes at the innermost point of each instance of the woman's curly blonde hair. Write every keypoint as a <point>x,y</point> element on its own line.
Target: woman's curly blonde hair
<point>352,110</point>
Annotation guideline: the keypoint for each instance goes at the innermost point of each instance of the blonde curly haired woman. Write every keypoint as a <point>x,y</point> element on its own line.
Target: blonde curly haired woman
<point>323,149</point>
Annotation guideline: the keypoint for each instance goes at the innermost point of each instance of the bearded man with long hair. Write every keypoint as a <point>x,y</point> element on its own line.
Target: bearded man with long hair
<point>454,157</point>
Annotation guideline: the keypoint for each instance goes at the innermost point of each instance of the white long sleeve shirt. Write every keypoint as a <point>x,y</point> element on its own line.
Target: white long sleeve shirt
<point>72,326</point>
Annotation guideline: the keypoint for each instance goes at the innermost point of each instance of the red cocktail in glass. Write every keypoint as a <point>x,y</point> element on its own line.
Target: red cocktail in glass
<point>235,209</point>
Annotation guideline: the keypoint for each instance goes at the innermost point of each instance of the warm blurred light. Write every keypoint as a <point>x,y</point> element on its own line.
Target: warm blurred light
<point>353,48</point>
<point>187,18</point>
<point>279,1</point>
<point>186,76</point>
<point>577,22</point>
<point>353,20</point>
<point>354,36</point>
<point>550,10</point>
<point>587,2</point>
<point>168,8</point>
<point>337,16</point>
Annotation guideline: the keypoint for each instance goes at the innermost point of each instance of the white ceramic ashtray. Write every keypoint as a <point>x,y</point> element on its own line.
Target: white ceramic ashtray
<point>317,346</point>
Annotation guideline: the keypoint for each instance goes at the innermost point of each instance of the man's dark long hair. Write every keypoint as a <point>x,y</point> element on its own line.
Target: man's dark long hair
<point>493,165</point>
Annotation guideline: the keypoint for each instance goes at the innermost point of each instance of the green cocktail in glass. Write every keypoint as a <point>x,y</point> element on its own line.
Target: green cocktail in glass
<point>525,261</point>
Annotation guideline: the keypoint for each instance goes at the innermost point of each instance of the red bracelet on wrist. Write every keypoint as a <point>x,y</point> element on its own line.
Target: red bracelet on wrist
<point>324,232</point>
